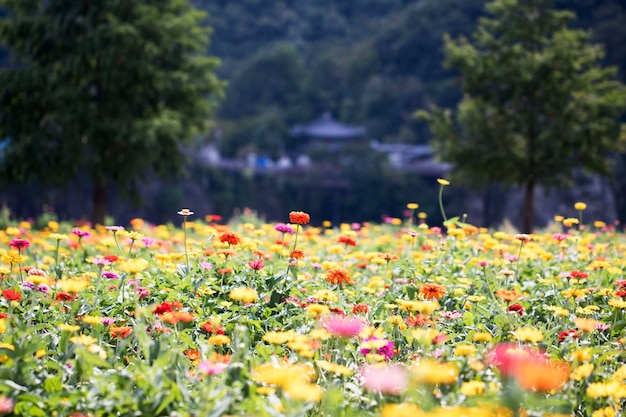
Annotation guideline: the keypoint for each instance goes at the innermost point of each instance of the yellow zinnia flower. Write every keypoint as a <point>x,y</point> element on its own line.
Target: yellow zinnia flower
<point>528,334</point>
<point>245,295</point>
<point>83,339</point>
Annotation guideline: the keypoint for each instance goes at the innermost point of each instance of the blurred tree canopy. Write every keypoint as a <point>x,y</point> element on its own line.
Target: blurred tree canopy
<point>537,103</point>
<point>109,90</point>
<point>368,62</point>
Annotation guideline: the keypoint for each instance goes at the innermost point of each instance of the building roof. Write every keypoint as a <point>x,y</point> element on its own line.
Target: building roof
<point>328,128</point>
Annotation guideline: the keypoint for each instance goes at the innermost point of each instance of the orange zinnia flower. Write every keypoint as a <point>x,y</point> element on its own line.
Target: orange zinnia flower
<point>508,295</point>
<point>338,276</point>
<point>431,291</point>
<point>388,256</point>
<point>297,254</point>
<point>192,354</point>
<point>542,375</point>
<point>231,238</point>
<point>120,332</point>
<point>299,217</point>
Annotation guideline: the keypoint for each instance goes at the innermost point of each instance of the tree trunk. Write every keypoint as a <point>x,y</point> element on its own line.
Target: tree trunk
<point>529,207</point>
<point>99,203</point>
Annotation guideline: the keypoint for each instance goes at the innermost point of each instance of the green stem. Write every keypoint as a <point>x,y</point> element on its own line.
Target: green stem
<point>295,243</point>
<point>118,244</point>
<point>443,213</point>
<point>130,249</point>
<point>95,298</point>
<point>56,260</point>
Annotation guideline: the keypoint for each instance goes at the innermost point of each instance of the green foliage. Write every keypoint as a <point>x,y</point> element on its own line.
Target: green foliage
<point>109,90</point>
<point>537,104</point>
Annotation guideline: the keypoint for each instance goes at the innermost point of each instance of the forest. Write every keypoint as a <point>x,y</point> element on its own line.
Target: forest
<point>368,63</point>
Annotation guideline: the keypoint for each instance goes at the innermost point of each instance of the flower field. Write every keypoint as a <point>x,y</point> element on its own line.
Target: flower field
<point>253,319</point>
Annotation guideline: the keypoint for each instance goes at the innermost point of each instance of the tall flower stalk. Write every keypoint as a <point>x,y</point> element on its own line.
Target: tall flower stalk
<point>299,218</point>
<point>442,183</point>
<point>185,213</point>
<point>57,268</point>
<point>116,229</point>
<point>19,244</point>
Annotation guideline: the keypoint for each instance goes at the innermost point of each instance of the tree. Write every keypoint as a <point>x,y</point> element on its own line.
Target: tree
<point>537,104</point>
<point>108,90</point>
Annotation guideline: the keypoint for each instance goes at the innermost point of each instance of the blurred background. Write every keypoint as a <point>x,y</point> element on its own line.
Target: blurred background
<point>316,113</point>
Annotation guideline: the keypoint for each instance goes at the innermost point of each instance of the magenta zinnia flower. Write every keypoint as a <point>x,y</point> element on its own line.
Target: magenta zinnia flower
<point>385,350</point>
<point>19,244</point>
<point>342,326</point>
<point>283,228</point>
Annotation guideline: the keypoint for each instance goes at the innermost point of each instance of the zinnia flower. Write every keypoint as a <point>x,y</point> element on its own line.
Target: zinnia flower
<point>256,264</point>
<point>377,346</point>
<point>299,217</point>
<point>392,379</point>
<point>245,295</point>
<point>231,238</point>
<point>19,244</point>
<point>338,276</point>
<point>12,295</point>
<point>120,332</point>
<point>432,291</point>
<point>212,368</point>
<point>284,228</point>
<point>342,326</point>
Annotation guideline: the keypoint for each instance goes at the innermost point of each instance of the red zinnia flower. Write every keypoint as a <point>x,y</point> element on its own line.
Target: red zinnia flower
<point>348,241</point>
<point>231,238</point>
<point>12,295</point>
<point>167,307</point>
<point>578,274</point>
<point>571,333</point>
<point>516,308</point>
<point>360,308</point>
<point>111,258</point>
<point>299,217</point>
<point>208,327</point>
<point>63,296</point>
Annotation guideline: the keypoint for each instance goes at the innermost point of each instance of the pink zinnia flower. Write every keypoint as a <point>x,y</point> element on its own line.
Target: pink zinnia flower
<point>451,315</point>
<point>6,405</point>
<point>212,368</point>
<point>19,244</point>
<point>147,241</point>
<point>101,261</point>
<point>256,264</point>
<point>509,357</point>
<point>392,379</point>
<point>81,233</point>
<point>342,326</point>
<point>206,265</point>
